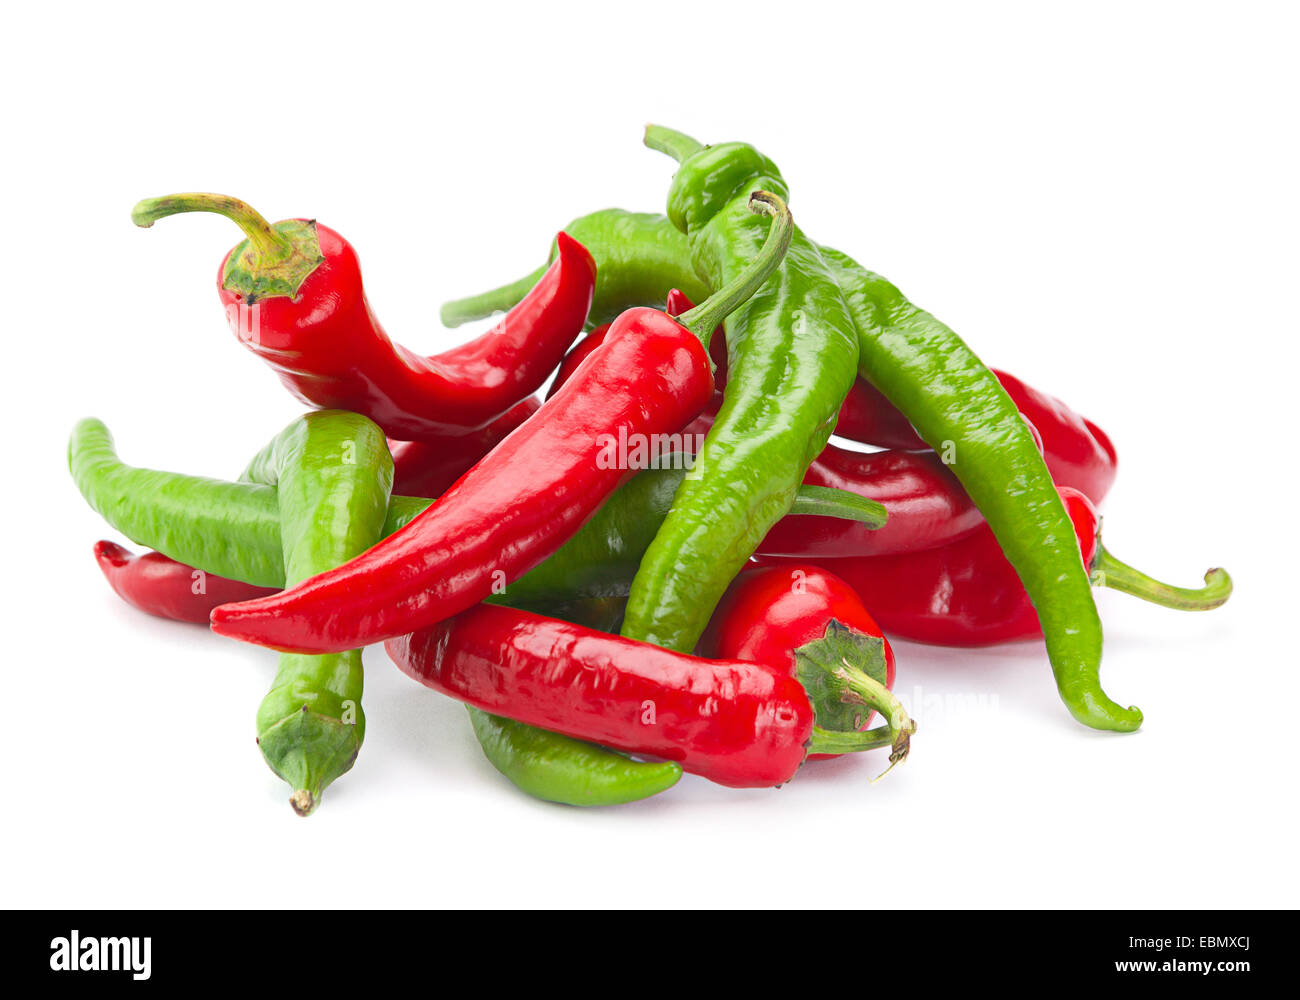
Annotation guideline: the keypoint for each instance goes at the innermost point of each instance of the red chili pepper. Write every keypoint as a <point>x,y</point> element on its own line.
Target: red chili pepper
<point>741,724</point>
<point>160,586</point>
<point>967,594</point>
<point>293,295</point>
<point>526,498</point>
<point>779,615</point>
<point>428,468</point>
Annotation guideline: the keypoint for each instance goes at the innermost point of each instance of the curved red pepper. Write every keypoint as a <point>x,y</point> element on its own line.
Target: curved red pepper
<point>428,468</point>
<point>741,724</point>
<point>776,614</point>
<point>508,513</point>
<point>160,586</point>
<point>330,351</point>
<point>967,594</point>
<point>317,331</point>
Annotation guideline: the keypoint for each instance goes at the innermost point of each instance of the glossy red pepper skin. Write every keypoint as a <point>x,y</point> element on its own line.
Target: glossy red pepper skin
<point>771,612</point>
<point>927,506</point>
<point>428,468</point>
<point>963,594</point>
<point>330,351</point>
<point>159,586</point>
<point>1079,454</point>
<point>577,356</point>
<point>508,513</point>
<point>737,723</point>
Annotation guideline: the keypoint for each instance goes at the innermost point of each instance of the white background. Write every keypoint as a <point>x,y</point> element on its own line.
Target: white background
<point>1103,202</point>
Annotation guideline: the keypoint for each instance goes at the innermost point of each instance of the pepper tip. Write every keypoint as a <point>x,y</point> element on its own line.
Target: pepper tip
<point>303,802</point>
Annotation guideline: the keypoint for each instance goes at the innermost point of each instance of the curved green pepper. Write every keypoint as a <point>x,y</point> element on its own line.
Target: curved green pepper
<point>959,408</point>
<point>792,358</point>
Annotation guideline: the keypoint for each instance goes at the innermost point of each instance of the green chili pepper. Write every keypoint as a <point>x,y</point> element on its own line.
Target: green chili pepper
<point>332,474</point>
<point>959,408</point>
<point>642,259</point>
<point>792,358</point>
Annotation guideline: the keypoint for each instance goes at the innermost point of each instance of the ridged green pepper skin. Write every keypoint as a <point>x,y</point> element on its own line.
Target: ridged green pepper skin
<point>792,357</point>
<point>959,408</point>
<point>640,259</point>
<point>332,474</point>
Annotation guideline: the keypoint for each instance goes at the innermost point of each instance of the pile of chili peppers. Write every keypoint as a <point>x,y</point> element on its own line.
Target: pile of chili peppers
<point>665,565</point>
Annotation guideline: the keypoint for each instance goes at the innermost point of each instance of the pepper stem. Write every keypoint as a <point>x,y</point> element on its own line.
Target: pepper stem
<point>704,318</point>
<point>858,688</point>
<point>485,304</point>
<point>844,673</point>
<point>270,246</point>
<point>822,501</point>
<point>1107,571</point>
<point>676,144</point>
